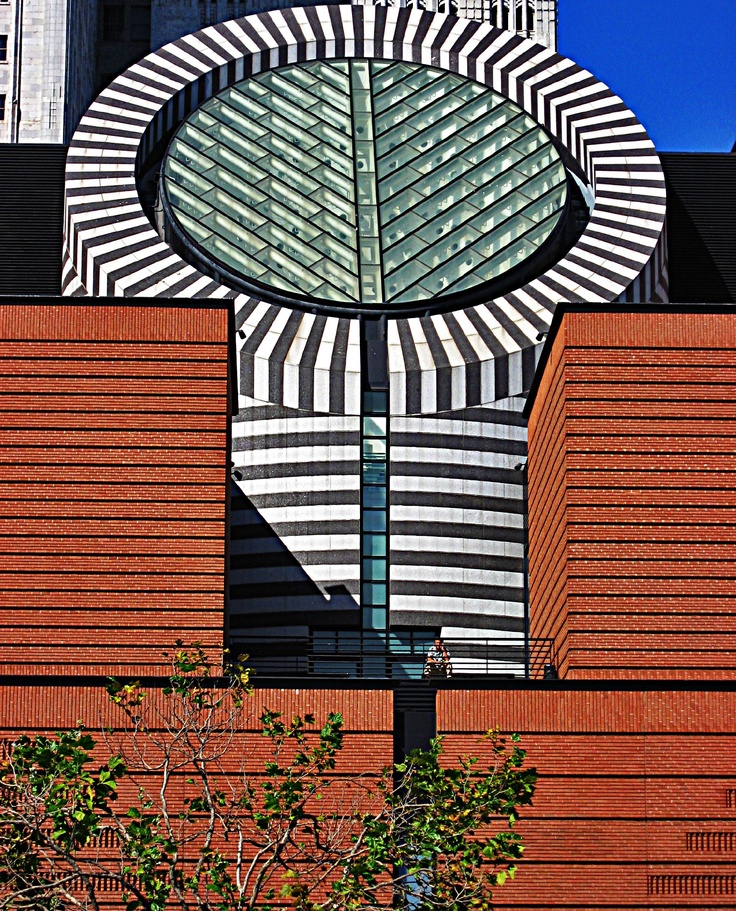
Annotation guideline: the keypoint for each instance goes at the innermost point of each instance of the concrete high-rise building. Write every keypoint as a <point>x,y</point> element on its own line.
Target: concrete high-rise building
<point>55,55</point>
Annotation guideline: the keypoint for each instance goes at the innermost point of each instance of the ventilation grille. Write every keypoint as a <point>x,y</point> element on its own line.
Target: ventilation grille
<point>106,838</point>
<point>710,841</point>
<point>691,884</point>
<point>100,882</point>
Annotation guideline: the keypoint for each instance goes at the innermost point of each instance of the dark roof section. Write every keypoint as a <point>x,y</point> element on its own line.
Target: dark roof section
<point>31,218</point>
<point>701,225</point>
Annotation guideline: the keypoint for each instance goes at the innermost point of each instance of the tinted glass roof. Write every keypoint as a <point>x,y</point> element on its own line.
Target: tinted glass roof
<point>374,183</point>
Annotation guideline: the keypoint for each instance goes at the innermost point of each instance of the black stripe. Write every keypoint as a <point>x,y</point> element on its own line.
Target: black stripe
<point>398,37</point>
<point>443,374</point>
<point>501,376</point>
<point>436,441</point>
<point>336,21</point>
<point>257,558</point>
<point>471,26</point>
<point>485,532</point>
<point>531,316</point>
<point>458,559</point>
<point>307,362</point>
<point>290,590</point>
<point>337,367</point>
<point>472,364</point>
<point>278,355</point>
<point>486,333</point>
<point>317,30</point>
<point>336,529</point>
<point>316,498</point>
<point>457,590</point>
<point>486,415</point>
<point>266,413</point>
<point>439,39</point>
<point>464,619</point>
<point>145,283</point>
<point>411,366</point>
<point>293,440</point>
<point>426,20</point>
<point>300,469</point>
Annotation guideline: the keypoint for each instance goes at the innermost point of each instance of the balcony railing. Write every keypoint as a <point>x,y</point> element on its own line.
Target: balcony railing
<point>353,654</point>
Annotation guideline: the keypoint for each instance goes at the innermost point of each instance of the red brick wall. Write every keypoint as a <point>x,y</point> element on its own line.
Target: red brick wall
<point>636,802</point>
<point>632,489</point>
<point>37,705</point>
<point>113,467</point>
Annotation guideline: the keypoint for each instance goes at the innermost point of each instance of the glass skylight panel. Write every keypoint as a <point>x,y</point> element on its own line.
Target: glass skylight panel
<point>364,182</point>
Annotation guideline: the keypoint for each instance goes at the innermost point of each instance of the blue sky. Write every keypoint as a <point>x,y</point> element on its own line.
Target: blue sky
<point>672,61</point>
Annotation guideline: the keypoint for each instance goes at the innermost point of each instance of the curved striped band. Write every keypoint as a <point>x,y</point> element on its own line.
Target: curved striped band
<point>308,361</point>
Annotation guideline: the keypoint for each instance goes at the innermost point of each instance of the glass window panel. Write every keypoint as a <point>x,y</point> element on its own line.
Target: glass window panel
<point>241,120</point>
<point>194,226</point>
<point>374,520</point>
<point>375,426</point>
<point>374,472</point>
<point>333,73</point>
<point>196,138</point>
<point>375,618</point>
<point>341,278</point>
<point>371,286</point>
<point>360,72</point>
<point>362,125</point>
<point>374,593</point>
<point>375,402</point>
<point>337,205</point>
<point>330,293</point>
<point>202,119</point>
<point>374,570</point>
<point>364,157</point>
<point>332,137</point>
<point>368,222</point>
<point>374,545</point>
<point>187,202</point>
<point>538,161</point>
<point>236,258</point>
<point>333,158</point>
<point>340,228</point>
<point>374,450</point>
<point>374,497</point>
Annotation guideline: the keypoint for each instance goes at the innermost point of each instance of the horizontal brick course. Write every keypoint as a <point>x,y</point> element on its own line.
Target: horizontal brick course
<point>114,437</point>
<point>632,489</point>
<point>631,784</point>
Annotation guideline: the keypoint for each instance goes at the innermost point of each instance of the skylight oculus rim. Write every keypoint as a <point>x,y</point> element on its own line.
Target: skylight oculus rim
<point>499,146</point>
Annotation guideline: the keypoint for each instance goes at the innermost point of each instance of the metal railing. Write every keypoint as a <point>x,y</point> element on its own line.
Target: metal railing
<point>354,654</point>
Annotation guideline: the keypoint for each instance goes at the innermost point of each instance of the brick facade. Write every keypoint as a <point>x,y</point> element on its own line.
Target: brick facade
<point>636,802</point>
<point>114,434</point>
<point>632,545</point>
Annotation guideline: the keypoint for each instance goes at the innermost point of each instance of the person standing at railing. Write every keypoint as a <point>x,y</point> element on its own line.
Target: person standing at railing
<point>438,660</point>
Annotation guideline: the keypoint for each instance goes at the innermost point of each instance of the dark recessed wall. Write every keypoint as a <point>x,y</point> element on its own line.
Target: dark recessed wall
<point>31,218</point>
<point>701,203</point>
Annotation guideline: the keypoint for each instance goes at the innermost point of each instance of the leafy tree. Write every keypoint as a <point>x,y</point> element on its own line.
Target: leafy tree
<point>219,811</point>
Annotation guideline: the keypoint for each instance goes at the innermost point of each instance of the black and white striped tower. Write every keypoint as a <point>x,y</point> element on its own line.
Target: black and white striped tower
<point>457,375</point>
